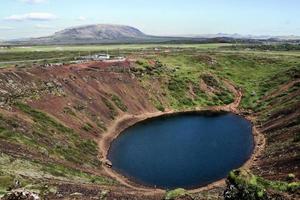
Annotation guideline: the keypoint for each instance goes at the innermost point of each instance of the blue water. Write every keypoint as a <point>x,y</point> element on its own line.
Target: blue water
<point>187,150</point>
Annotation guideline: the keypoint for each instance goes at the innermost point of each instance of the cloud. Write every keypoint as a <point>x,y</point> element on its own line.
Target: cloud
<point>43,26</point>
<point>39,16</point>
<point>6,28</point>
<point>81,18</point>
<point>33,1</point>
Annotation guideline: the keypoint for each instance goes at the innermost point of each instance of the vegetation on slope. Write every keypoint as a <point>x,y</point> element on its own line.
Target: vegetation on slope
<point>179,79</point>
<point>182,75</point>
<point>30,174</point>
<point>266,47</point>
<point>119,103</point>
<point>244,185</point>
<point>110,106</point>
<point>173,194</point>
<point>53,138</point>
<point>252,72</point>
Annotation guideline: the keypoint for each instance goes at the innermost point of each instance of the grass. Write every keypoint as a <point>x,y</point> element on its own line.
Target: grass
<point>30,173</point>
<point>255,74</point>
<point>17,137</point>
<point>82,48</point>
<point>58,140</point>
<point>8,133</point>
<point>159,107</point>
<point>182,74</point>
<point>25,56</point>
<point>256,186</point>
<point>87,127</point>
<point>89,146</point>
<point>42,118</point>
<point>266,47</point>
<point>110,106</point>
<point>177,87</point>
<point>173,194</point>
<point>119,103</point>
<point>6,181</point>
<point>69,173</point>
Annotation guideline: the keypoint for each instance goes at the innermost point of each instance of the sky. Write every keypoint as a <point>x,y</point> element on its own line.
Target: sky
<point>33,18</point>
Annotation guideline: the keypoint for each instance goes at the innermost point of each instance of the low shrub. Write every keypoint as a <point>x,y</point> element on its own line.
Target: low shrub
<point>118,102</point>
<point>173,194</point>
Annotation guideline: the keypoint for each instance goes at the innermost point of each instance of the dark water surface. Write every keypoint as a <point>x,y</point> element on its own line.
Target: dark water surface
<point>186,150</point>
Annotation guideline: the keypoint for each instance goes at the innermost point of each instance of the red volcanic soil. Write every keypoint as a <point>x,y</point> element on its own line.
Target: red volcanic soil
<point>80,94</point>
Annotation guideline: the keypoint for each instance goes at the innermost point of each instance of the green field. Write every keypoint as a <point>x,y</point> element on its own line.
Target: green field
<point>106,47</point>
<point>24,56</point>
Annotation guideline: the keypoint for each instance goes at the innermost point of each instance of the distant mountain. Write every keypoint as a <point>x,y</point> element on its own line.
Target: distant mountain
<point>240,36</point>
<point>288,37</point>
<point>100,33</point>
<point>225,35</point>
<point>107,33</point>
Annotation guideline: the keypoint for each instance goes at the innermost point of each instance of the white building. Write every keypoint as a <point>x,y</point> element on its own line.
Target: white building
<point>95,57</point>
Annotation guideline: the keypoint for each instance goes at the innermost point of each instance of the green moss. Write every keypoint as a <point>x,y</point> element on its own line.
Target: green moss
<point>141,63</point>
<point>293,187</point>
<point>173,194</point>
<point>118,102</point>
<point>62,171</point>
<point>58,170</point>
<point>178,87</point>
<point>89,146</point>
<point>29,172</point>
<point>59,140</point>
<point>210,80</point>
<point>87,127</point>
<point>258,185</point>
<point>9,132</point>
<point>257,75</point>
<point>110,106</point>
<point>41,117</point>
<point>17,137</point>
<point>160,107</point>
<point>225,97</point>
<point>6,181</point>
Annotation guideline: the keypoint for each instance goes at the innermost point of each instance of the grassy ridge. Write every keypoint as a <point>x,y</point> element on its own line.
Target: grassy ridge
<point>256,75</point>
<point>253,72</point>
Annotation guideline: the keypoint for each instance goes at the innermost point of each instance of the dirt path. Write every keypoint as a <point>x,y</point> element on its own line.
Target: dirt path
<point>126,120</point>
<point>123,122</point>
<point>232,107</point>
<point>238,96</point>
